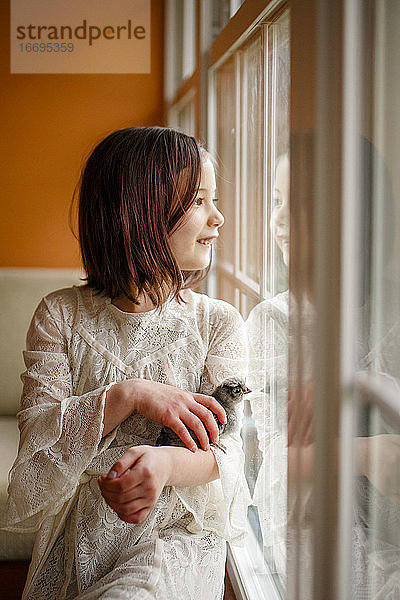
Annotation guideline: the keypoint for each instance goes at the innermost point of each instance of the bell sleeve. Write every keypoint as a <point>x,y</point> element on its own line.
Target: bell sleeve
<point>221,505</point>
<point>59,433</point>
<point>268,355</point>
<point>267,334</point>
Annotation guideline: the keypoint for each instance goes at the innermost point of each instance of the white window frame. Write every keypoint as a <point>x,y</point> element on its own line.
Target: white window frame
<point>248,571</point>
<point>249,574</point>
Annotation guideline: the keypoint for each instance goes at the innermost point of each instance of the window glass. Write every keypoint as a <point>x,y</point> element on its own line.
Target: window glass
<point>186,118</point>
<point>223,11</point>
<point>227,290</point>
<point>181,39</point>
<point>376,527</point>
<point>226,172</point>
<point>277,115</point>
<point>268,321</point>
<point>253,189</point>
<point>251,156</point>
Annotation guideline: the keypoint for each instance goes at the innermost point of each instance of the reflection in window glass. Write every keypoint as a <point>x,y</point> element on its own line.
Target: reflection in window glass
<point>376,530</point>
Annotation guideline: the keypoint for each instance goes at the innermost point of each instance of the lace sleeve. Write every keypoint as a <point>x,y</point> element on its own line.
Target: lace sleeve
<point>221,505</point>
<point>59,433</point>
<point>268,355</point>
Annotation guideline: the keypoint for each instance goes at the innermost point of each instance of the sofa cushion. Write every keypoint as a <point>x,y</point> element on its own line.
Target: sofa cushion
<point>13,546</point>
<point>21,292</point>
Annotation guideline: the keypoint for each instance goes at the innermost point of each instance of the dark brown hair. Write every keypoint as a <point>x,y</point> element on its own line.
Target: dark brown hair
<point>135,189</point>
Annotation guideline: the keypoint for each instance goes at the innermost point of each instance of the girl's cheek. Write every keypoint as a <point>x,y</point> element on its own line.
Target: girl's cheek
<point>195,221</point>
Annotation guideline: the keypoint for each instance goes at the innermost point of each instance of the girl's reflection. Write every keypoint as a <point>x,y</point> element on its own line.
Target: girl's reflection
<point>282,408</point>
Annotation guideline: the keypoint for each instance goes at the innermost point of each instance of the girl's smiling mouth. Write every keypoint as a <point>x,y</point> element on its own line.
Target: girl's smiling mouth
<point>207,241</point>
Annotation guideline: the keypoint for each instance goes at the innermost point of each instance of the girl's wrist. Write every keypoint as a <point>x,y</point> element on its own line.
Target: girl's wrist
<point>168,464</point>
<point>361,455</point>
<point>185,468</point>
<point>128,393</point>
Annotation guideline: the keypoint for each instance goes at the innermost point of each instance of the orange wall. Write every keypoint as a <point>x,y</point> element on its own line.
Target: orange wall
<point>49,122</point>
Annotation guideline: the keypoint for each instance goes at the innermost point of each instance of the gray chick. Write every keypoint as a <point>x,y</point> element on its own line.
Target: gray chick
<point>229,393</point>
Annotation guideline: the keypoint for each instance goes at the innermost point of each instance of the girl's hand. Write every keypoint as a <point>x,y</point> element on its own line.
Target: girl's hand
<point>301,414</point>
<point>135,482</point>
<point>170,406</point>
<point>378,458</point>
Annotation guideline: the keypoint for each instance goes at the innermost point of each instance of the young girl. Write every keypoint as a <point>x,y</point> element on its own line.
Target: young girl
<point>108,364</point>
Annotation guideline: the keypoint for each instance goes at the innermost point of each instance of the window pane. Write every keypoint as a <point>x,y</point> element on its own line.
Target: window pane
<point>376,528</point>
<point>252,154</point>
<point>186,118</point>
<point>227,291</point>
<point>252,149</point>
<point>226,123</point>
<point>278,60</point>
<point>268,321</point>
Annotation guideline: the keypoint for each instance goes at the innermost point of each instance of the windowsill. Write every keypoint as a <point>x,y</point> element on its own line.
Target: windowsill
<point>248,572</point>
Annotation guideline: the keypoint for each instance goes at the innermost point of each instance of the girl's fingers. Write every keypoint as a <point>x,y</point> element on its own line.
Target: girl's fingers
<point>133,512</point>
<point>309,433</point>
<point>123,490</point>
<point>182,432</point>
<point>212,404</point>
<point>127,461</point>
<point>127,509</point>
<point>206,419</point>
<point>197,426</point>
<point>137,517</point>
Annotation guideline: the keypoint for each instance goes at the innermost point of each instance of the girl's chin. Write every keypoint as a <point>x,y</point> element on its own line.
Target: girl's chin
<point>195,265</point>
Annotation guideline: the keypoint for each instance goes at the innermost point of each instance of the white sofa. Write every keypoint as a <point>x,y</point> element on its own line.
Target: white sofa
<point>21,291</point>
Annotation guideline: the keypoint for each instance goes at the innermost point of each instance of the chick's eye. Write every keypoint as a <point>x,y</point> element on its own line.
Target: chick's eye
<point>237,390</point>
<point>276,202</point>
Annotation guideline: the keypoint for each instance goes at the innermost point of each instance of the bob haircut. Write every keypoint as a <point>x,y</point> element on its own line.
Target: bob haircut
<point>135,190</point>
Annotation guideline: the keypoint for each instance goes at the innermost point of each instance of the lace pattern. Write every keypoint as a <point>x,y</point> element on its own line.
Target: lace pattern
<point>267,330</point>
<point>78,345</point>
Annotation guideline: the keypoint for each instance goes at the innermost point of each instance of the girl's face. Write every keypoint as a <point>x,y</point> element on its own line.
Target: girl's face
<point>280,217</point>
<point>191,241</point>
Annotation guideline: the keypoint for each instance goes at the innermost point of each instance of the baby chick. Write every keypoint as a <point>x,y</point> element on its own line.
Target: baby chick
<point>229,393</point>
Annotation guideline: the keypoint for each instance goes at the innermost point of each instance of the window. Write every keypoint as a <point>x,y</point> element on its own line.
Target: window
<point>252,121</point>
<point>346,543</point>
<point>373,342</point>
<point>182,114</point>
<point>321,432</point>
<point>180,46</point>
<point>247,122</point>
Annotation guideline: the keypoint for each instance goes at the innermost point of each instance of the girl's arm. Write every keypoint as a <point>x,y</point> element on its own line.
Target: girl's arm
<point>221,506</point>
<point>61,432</point>
<point>165,404</point>
<point>136,480</point>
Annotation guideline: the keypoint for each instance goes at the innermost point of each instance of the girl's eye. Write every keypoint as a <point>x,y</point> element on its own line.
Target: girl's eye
<point>199,201</point>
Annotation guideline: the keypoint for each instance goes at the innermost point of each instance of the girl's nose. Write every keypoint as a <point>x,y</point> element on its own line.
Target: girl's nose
<point>216,218</point>
<point>282,215</point>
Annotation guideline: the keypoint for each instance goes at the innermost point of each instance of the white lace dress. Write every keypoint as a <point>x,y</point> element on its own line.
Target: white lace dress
<point>78,345</point>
